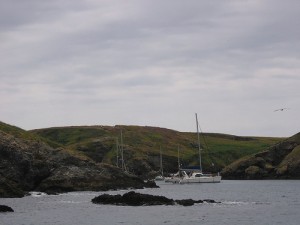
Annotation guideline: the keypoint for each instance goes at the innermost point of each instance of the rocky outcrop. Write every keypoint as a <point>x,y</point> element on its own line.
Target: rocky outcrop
<point>280,161</point>
<point>90,177</point>
<point>4,208</point>
<point>137,199</point>
<point>27,165</point>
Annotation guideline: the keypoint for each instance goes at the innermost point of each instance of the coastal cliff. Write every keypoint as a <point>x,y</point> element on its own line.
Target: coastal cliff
<point>28,164</point>
<point>281,161</point>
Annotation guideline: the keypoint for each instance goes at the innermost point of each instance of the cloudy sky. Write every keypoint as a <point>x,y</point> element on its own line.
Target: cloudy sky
<point>153,63</point>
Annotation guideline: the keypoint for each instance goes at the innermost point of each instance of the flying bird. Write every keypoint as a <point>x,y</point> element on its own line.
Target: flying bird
<point>280,109</point>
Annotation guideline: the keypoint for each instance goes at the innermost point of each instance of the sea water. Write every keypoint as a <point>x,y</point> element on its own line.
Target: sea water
<point>242,202</point>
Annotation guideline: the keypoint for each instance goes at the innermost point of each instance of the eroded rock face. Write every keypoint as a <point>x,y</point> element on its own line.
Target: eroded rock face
<point>34,166</point>
<point>137,199</point>
<point>280,161</point>
<point>22,165</point>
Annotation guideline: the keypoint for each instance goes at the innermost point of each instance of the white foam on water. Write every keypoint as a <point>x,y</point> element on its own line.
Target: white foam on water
<point>37,194</point>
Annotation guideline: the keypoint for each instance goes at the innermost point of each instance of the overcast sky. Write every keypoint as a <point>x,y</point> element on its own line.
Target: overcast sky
<point>152,63</point>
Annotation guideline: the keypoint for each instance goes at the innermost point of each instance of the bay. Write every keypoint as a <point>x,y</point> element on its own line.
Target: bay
<point>242,202</point>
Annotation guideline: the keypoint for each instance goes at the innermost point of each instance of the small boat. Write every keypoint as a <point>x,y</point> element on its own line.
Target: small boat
<point>197,176</point>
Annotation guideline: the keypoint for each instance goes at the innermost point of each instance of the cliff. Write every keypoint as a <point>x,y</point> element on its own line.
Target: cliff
<point>28,164</point>
<point>281,161</point>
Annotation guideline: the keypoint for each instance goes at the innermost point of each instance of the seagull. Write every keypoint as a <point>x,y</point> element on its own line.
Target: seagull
<point>280,109</point>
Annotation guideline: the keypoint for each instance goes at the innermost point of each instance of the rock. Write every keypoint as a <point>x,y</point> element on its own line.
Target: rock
<point>132,199</point>
<point>185,202</point>
<point>107,199</point>
<point>252,171</point>
<point>10,189</point>
<point>31,165</point>
<point>137,199</point>
<point>281,161</point>
<point>210,201</point>
<point>92,177</point>
<point>4,208</point>
<point>151,184</point>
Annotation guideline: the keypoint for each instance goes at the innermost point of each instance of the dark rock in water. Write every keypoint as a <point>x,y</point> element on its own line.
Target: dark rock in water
<point>185,202</point>
<point>137,199</point>
<point>107,199</point>
<point>210,201</point>
<point>4,208</point>
<point>132,199</point>
<point>151,184</point>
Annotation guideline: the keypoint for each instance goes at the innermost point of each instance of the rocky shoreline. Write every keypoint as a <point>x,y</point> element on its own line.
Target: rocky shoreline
<point>30,165</point>
<point>281,161</point>
<point>137,199</point>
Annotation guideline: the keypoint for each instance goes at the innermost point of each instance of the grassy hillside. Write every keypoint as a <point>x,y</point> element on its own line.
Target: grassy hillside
<point>32,136</point>
<point>16,131</point>
<point>143,144</point>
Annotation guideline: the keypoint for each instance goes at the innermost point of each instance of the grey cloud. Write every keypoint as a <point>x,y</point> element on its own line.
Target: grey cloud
<point>123,60</point>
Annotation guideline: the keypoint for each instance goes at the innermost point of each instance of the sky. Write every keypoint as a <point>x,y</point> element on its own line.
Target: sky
<point>152,63</point>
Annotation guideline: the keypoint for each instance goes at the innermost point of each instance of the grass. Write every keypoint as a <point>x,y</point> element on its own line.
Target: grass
<point>141,142</point>
<point>16,131</point>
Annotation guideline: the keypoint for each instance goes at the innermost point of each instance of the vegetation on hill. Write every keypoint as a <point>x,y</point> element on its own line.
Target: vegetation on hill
<point>16,131</point>
<point>85,157</point>
<point>25,135</point>
<point>142,146</point>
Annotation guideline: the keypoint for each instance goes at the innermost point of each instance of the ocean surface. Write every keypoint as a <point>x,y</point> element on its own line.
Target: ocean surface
<point>242,202</point>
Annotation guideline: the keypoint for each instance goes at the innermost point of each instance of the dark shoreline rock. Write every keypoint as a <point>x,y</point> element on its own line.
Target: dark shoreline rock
<point>31,165</point>
<point>4,208</point>
<point>137,199</point>
<point>281,161</point>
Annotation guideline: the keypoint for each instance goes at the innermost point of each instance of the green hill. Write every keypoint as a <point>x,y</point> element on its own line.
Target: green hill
<point>142,146</point>
<point>16,131</point>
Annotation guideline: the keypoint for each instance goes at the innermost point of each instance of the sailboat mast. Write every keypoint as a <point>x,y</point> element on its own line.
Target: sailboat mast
<point>199,147</point>
<point>161,165</point>
<point>122,151</point>
<point>117,146</point>
<point>178,158</point>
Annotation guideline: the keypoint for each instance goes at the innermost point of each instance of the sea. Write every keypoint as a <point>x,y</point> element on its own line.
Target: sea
<point>267,202</point>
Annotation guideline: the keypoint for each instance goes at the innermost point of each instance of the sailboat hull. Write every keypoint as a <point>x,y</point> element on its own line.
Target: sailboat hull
<point>158,178</point>
<point>204,179</point>
<point>173,180</point>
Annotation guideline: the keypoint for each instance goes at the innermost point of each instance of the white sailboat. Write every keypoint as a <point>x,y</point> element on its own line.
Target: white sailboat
<point>197,176</point>
<point>175,178</point>
<point>120,150</point>
<point>161,176</point>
